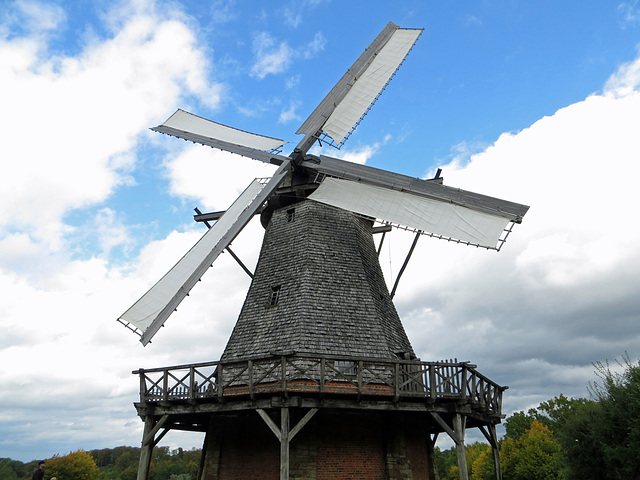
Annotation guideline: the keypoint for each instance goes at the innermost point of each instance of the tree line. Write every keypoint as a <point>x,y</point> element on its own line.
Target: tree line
<point>567,438</point>
<point>120,463</point>
<point>561,439</point>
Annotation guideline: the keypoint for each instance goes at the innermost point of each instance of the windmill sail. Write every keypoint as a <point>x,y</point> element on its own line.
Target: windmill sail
<point>354,94</point>
<point>334,167</point>
<point>191,127</point>
<point>436,217</point>
<point>150,312</point>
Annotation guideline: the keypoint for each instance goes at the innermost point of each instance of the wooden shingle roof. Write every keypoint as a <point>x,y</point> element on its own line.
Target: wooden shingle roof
<point>318,288</point>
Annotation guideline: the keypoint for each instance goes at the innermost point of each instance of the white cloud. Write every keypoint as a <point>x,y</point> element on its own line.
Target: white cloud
<point>290,113</point>
<point>315,47</point>
<point>625,80</point>
<point>274,57</point>
<point>271,57</point>
<point>560,293</point>
<point>37,18</point>
<point>80,115</point>
<point>629,13</point>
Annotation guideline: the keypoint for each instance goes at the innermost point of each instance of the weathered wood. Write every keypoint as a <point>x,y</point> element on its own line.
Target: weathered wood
<point>145,451</point>
<point>395,380</point>
<point>150,436</point>
<point>492,438</point>
<point>459,427</point>
<point>406,262</point>
<point>451,432</point>
<point>431,459</point>
<point>300,425</point>
<point>285,434</point>
<point>284,443</point>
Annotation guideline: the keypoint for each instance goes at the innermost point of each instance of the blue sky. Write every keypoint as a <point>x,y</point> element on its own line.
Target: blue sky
<point>536,102</point>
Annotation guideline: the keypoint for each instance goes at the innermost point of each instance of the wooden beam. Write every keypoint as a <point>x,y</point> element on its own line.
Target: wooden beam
<point>492,438</point>
<point>285,434</point>
<point>284,443</point>
<point>145,451</point>
<point>302,423</point>
<point>431,458</point>
<point>270,423</point>
<point>149,437</point>
<point>406,261</point>
<point>445,427</point>
<point>458,426</point>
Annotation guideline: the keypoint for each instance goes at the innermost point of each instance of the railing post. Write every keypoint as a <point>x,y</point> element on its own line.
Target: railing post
<point>143,386</point>
<point>432,381</point>
<point>396,375</point>
<point>322,374</point>
<point>463,387</point>
<point>220,384</point>
<point>165,385</point>
<point>360,367</point>
<point>192,379</point>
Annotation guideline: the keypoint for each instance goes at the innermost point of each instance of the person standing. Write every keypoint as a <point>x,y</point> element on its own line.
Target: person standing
<point>39,473</point>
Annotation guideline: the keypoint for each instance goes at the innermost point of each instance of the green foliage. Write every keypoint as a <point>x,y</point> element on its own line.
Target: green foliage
<point>78,465</point>
<point>15,470</point>
<point>445,460</point>
<point>483,467</point>
<point>517,424</point>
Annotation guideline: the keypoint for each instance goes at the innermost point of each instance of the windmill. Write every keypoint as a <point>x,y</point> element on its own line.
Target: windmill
<point>318,324</point>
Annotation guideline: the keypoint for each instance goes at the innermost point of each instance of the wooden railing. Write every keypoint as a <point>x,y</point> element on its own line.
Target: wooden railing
<point>393,380</point>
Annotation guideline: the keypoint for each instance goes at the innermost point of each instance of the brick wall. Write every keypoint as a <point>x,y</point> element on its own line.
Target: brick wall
<point>338,445</point>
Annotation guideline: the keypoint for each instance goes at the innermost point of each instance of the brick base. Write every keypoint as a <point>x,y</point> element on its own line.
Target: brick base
<point>333,445</point>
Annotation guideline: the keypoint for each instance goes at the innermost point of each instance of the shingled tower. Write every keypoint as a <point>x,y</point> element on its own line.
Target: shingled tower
<point>318,379</point>
<point>318,289</point>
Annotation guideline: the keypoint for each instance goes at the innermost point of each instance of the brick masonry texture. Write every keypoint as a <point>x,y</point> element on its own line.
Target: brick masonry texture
<point>332,446</point>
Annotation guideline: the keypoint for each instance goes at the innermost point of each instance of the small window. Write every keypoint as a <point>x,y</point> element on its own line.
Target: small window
<point>291,215</point>
<point>275,295</point>
<point>345,367</point>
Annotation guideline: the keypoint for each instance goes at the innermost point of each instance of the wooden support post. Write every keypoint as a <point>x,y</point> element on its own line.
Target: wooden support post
<point>431,459</point>
<point>458,427</point>
<point>492,438</point>
<point>149,440</point>
<point>284,443</point>
<point>285,434</point>
<point>145,451</point>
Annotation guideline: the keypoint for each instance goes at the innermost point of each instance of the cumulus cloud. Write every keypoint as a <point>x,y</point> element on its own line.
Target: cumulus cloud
<point>71,127</point>
<point>67,130</point>
<point>560,294</point>
<point>273,57</point>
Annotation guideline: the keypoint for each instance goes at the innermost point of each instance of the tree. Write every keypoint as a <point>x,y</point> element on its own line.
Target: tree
<point>78,465</point>
<point>535,455</point>
<point>483,467</point>
<point>617,434</point>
